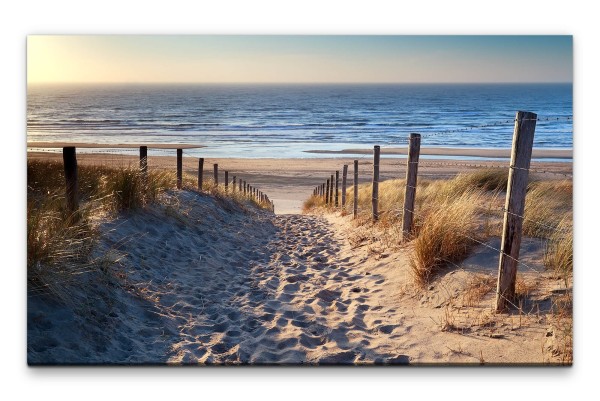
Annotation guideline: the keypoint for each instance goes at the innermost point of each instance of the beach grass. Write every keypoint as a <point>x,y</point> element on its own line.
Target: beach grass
<point>453,215</point>
<point>59,242</point>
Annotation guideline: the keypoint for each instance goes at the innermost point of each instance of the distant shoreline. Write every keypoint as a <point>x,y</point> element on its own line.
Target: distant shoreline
<point>538,153</point>
<point>86,145</point>
<point>473,152</point>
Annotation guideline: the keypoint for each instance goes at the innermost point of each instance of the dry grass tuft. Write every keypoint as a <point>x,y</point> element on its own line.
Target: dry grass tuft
<point>477,288</point>
<point>312,203</point>
<point>558,255</point>
<point>443,235</point>
<point>545,204</point>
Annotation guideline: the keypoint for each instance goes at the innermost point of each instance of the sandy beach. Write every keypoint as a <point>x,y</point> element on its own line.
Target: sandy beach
<point>198,282</point>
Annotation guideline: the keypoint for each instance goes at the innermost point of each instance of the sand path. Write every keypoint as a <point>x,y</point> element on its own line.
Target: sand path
<point>301,303</point>
<point>203,280</point>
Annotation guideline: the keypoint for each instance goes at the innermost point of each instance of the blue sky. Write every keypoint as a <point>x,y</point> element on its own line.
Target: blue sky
<point>299,59</point>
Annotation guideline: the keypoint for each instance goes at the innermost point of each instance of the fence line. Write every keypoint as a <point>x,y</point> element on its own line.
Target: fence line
<point>517,171</point>
<point>70,166</point>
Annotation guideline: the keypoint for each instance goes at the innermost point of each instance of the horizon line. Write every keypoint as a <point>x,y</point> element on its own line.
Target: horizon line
<point>296,83</point>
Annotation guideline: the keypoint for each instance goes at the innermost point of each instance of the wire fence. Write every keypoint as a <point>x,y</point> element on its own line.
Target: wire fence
<point>398,169</point>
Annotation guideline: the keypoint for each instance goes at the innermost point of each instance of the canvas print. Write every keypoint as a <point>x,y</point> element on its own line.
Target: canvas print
<point>299,200</point>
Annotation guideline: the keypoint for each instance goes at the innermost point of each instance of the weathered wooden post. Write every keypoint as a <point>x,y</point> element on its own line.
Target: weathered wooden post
<point>245,187</point>
<point>331,189</point>
<point>344,177</point>
<point>412,166</point>
<point>355,212</point>
<point>337,188</point>
<point>179,168</point>
<point>327,193</point>
<point>200,173</point>
<point>226,180</point>
<point>518,177</point>
<point>144,169</point>
<point>71,180</point>
<point>240,186</point>
<point>216,174</point>
<point>375,193</point>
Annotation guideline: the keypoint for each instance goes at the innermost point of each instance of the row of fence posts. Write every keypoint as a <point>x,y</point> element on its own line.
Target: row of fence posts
<point>518,177</point>
<point>325,190</point>
<point>71,178</point>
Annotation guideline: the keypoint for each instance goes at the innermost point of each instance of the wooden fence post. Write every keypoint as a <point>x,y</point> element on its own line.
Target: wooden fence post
<point>216,174</point>
<point>375,194</point>
<point>233,184</point>
<point>245,188</point>
<point>518,176</point>
<point>337,187</point>
<point>200,173</point>
<point>355,212</point>
<point>344,177</point>
<point>240,186</point>
<point>412,166</point>
<point>327,193</point>
<point>226,180</point>
<point>71,180</point>
<point>331,189</point>
<point>179,168</point>
<point>144,169</point>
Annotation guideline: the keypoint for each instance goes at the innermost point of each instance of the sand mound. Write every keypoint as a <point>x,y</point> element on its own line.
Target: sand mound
<point>196,280</point>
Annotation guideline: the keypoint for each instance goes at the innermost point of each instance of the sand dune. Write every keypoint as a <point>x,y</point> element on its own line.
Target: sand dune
<point>199,280</point>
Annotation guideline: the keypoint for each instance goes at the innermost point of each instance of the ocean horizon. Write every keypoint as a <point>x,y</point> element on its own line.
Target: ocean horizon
<point>288,120</point>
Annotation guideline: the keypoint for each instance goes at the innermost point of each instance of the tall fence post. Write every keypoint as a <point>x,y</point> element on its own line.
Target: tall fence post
<point>200,173</point>
<point>518,177</point>
<point>375,193</point>
<point>144,169</point>
<point>337,188</point>
<point>233,184</point>
<point>71,180</point>
<point>327,193</point>
<point>412,166</point>
<point>344,177</point>
<point>331,189</point>
<point>179,167</point>
<point>226,180</point>
<point>216,174</point>
<point>355,212</point>
<point>240,186</point>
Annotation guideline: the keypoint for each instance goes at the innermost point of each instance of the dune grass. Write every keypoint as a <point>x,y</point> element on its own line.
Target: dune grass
<point>558,255</point>
<point>444,235</point>
<point>450,214</point>
<point>545,204</point>
<point>59,243</point>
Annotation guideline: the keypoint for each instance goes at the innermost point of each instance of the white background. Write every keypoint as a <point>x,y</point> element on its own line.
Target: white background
<point>18,19</point>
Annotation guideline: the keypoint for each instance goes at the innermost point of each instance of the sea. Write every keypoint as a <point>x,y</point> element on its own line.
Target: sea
<point>284,121</point>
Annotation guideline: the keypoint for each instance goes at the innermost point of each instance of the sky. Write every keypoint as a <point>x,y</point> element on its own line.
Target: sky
<point>298,59</point>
